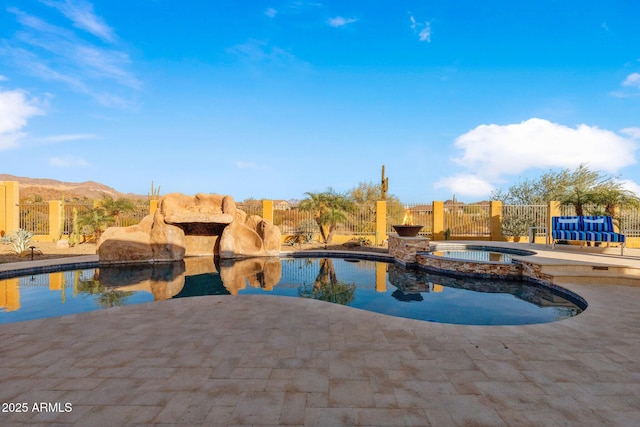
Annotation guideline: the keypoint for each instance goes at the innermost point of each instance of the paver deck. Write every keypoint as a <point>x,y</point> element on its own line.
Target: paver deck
<point>262,360</point>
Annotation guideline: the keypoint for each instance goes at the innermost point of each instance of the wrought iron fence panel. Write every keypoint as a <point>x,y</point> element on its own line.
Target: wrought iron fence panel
<point>295,222</point>
<point>250,208</point>
<point>132,217</point>
<point>630,221</point>
<point>34,217</point>
<point>68,214</point>
<point>417,213</point>
<point>467,220</point>
<point>360,221</point>
<point>516,219</point>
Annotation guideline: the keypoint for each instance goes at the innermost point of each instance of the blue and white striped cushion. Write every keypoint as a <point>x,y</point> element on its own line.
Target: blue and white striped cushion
<point>597,223</point>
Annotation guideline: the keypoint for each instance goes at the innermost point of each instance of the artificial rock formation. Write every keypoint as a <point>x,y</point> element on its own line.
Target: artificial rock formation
<point>201,225</point>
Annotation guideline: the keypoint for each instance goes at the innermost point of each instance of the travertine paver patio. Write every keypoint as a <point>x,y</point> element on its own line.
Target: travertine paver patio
<point>260,360</point>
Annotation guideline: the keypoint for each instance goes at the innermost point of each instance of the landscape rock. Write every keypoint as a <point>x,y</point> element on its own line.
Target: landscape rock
<point>167,241</point>
<point>124,244</point>
<point>201,225</point>
<point>206,208</point>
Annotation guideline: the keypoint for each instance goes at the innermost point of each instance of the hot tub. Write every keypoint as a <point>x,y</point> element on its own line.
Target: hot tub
<point>472,260</point>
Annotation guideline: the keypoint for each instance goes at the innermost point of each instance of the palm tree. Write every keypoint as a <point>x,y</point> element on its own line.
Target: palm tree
<point>116,208</point>
<point>329,209</point>
<point>611,194</point>
<point>96,220</point>
<point>580,190</point>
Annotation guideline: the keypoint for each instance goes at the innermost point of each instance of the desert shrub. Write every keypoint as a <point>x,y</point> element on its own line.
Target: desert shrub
<point>19,240</point>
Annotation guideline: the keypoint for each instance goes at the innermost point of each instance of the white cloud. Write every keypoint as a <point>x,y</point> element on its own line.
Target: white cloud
<point>81,13</point>
<point>68,162</point>
<point>465,185</point>
<point>495,150</point>
<point>15,110</point>
<point>271,12</point>
<point>54,53</point>
<point>250,165</point>
<point>3,78</point>
<point>68,137</point>
<point>633,133</point>
<point>490,152</point>
<point>300,6</point>
<point>425,34</point>
<point>339,21</point>
<point>632,80</point>
<point>258,54</point>
<point>631,186</point>
<point>422,29</point>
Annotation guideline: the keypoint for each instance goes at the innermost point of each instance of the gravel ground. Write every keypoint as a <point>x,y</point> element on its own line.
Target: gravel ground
<point>47,250</point>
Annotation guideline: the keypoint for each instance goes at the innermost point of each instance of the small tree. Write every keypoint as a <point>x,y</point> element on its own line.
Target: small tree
<point>115,208</point>
<point>580,190</point>
<point>96,220</point>
<point>611,194</point>
<point>550,186</point>
<point>367,193</point>
<point>329,209</point>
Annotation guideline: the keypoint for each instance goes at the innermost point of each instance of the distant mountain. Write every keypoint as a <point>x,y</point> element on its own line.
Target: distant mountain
<point>51,189</point>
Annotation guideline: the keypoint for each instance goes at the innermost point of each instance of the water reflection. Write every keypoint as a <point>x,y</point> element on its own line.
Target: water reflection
<point>327,287</point>
<point>412,281</point>
<point>373,286</point>
<point>106,298</point>
<point>163,281</point>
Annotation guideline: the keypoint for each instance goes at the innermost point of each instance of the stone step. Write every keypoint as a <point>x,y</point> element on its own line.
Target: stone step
<point>592,274</point>
<point>591,270</point>
<point>591,280</point>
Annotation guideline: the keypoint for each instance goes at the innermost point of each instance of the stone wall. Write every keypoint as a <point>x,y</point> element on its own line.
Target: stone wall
<point>404,249</point>
<point>469,268</point>
<point>534,272</point>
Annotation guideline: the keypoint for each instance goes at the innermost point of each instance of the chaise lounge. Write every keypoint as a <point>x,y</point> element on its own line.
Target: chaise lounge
<point>585,229</point>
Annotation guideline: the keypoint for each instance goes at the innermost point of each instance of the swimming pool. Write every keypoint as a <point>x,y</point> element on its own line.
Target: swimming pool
<point>369,285</point>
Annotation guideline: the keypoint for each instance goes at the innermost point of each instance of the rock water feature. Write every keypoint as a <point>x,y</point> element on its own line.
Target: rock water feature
<point>200,225</point>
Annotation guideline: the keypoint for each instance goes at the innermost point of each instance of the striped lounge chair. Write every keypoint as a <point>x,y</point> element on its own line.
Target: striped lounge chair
<point>586,229</point>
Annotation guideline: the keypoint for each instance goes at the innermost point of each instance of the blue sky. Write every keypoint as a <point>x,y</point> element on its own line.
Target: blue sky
<point>272,99</point>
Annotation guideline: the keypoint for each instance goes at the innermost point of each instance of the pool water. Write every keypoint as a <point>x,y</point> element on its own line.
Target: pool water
<point>368,285</point>
<point>474,255</point>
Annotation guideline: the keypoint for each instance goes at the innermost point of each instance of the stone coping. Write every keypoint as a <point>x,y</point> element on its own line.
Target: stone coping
<point>52,265</point>
<point>369,256</point>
